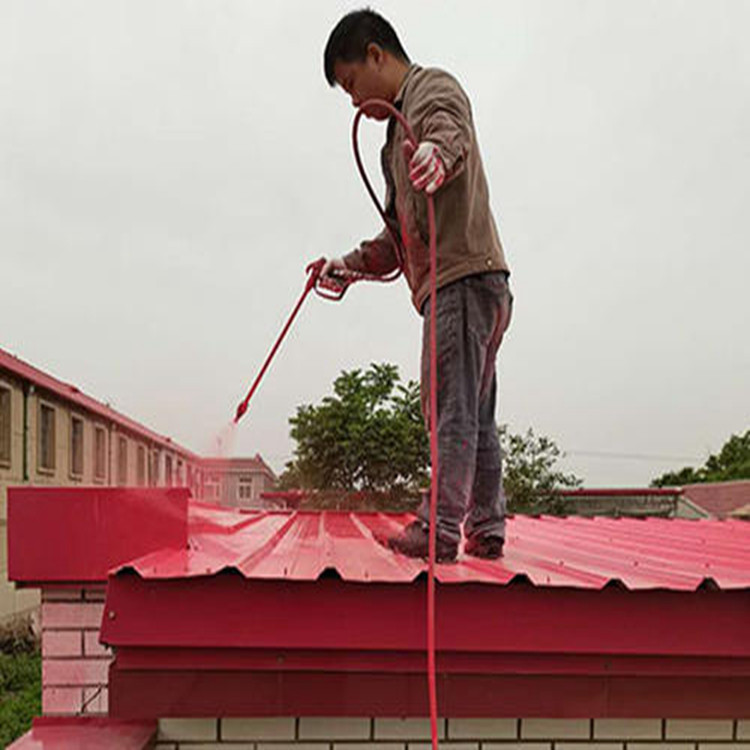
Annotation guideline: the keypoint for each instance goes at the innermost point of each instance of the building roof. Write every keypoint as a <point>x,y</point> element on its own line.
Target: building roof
<point>588,553</point>
<point>719,499</point>
<point>71,393</point>
<point>295,613</point>
<point>237,463</point>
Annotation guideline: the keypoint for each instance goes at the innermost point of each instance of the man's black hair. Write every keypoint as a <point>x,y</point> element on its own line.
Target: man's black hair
<point>349,39</point>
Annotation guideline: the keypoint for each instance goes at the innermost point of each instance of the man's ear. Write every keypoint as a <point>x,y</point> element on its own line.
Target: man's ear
<point>375,53</point>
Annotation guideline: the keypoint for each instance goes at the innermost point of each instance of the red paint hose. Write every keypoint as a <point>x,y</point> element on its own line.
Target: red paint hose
<point>328,290</point>
<point>364,107</point>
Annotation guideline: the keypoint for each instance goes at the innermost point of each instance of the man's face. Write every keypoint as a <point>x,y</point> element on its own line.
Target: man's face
<point>364,80</point>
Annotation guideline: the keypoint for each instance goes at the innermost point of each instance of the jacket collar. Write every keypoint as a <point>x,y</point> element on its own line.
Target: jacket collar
<point>413,69</point>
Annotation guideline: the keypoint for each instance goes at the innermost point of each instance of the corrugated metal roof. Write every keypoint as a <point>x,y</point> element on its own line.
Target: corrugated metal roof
<point>588,553</point>
<point>71,393</point>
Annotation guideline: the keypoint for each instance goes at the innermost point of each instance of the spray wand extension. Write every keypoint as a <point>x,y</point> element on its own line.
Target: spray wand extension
<point>313,276</point>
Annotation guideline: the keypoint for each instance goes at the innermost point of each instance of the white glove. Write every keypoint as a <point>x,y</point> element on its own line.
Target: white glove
<point>426,167</point>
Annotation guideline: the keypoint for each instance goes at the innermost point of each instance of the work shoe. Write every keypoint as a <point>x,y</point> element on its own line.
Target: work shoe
<point>486,547</point>
<point>414,541</point>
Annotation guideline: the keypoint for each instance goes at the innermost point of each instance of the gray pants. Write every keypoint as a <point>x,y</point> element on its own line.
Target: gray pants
<point>473,313</point>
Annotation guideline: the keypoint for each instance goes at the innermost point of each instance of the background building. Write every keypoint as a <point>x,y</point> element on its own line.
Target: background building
<point>53,434</point>
<point>239,482</point>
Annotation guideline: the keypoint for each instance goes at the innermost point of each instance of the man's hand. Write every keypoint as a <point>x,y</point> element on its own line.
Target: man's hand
<point>332,273</point>
<point>426,167</point>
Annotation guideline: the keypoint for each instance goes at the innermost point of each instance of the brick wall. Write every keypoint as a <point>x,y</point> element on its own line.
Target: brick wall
<point>455,734</point>
<point>74,664</point>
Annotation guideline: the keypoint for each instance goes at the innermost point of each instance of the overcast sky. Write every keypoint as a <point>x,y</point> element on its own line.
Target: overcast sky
<point>168,168</point>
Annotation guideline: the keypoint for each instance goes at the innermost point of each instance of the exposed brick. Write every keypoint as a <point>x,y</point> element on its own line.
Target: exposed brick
<point>342,728</point>
<point>166,746</point>
<point>743,730</point>
<point>661,746</point>
<point>274,728</point>
<point>627,729</point>
<point>92,647</point>
<point>516,746</point>
<point>369,746</point>
<point>61,643</point>
<point>217,746</point>
<point>556,729</point>
<point>724,746</point>
<point>57,700</point>
<point>188,729</point>
<point>295,746</point>
<point>74,671</point>
<point>406,729</point>
<point>589,746</point>
<point>96,700</point>
<point>699,729</point>
<point>68,615</point>
<point>480,729</point>
<point>444,746</point>
<point>62,595</point>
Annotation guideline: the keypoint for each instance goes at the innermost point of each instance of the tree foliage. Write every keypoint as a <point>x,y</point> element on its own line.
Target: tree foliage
<point>368,436</point>
<point>732,462</point>
<point>530,476</point>
<point>365,446</point>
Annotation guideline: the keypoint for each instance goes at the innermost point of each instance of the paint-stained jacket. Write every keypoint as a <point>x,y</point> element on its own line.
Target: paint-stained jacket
<point>438,110</point>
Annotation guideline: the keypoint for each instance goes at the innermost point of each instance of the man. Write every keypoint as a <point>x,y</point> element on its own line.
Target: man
<point>366,59</point>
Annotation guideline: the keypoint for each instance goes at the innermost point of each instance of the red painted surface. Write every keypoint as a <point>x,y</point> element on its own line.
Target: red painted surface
<point>52,385</point>
<point>79,533</point>
<point>228,611</point>
<point>308,608</point>
<point>86,734</point>
<point>230,693</point>
<point>575,552</point>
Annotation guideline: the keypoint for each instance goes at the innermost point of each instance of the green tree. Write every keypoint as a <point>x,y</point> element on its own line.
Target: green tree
<point>530,476</point>
<point>732,462</point>
<point>368,436</point>
<point>365,446</point>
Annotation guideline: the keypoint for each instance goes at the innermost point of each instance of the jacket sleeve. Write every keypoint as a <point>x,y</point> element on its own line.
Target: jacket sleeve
<point>376,256</point>
<point>441,113</point>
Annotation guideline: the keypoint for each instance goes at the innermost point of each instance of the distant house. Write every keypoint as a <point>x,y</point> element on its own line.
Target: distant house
<point>719,499</point>
<point>239,482</point>
<point>710,500</point>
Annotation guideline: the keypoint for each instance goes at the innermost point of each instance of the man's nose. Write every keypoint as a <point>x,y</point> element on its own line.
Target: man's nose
<point>356,101</point>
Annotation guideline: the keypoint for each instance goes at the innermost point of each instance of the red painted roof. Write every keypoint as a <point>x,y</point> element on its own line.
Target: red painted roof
<point>71,393</point>
<point>80,733</point>
<point>587,553</point>
<point>719,499</point>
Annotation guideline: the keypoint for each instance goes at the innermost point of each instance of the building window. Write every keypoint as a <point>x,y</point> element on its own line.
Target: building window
<point>76,446</point>
<point>153,469</point>
<point>168,470</point>
<point>122,461</point>
<point>190,477</point>
<point>141,466</point>
<point>100,454</point>
<point>5,431</point>
<point>245,487</point>
<point>212,487</point>
<point>179,473</point>
<point>46,438</point>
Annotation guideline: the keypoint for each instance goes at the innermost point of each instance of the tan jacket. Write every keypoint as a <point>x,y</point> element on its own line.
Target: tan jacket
<point>438,110</point>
